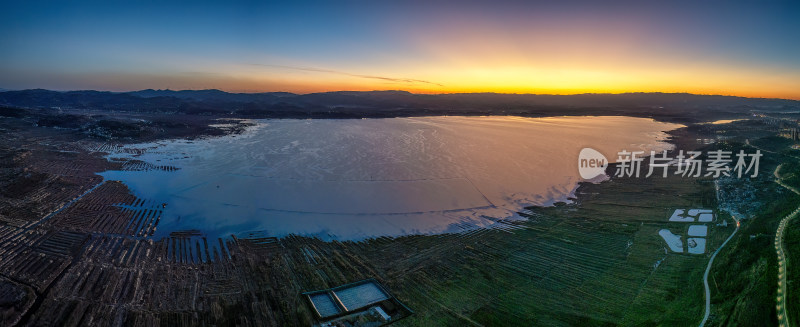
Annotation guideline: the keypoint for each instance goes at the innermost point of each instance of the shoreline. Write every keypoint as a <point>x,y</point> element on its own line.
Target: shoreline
<point>575,251</point>
<point>677,137</point>
<point>510,209</point>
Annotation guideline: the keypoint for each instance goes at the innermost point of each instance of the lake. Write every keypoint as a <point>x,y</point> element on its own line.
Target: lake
<point>359,178</point>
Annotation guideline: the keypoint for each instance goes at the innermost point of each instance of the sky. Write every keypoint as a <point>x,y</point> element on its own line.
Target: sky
<point>731,48</point>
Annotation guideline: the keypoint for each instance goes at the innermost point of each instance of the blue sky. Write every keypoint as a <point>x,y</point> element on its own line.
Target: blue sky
<point>740,48</point>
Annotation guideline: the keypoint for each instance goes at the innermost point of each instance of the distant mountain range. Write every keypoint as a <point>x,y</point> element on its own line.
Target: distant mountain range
<point>212,94</point>
<point>390,103</point>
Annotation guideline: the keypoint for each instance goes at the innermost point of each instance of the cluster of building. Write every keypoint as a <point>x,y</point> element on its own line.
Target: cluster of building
<point>788,128</point>
<point>791,133</point>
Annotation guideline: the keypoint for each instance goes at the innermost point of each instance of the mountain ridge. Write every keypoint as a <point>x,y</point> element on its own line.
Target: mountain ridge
<point>364,104</point>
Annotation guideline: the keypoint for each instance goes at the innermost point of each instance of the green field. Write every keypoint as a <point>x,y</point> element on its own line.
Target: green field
<point>599,261</point>
<point>592,262</point>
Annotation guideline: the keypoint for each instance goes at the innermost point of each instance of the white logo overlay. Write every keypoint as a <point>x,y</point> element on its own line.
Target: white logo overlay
<point>591,163</point>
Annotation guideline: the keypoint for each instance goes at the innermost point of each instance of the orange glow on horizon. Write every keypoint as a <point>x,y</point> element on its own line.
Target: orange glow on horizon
<point>534,48</point>
<point>556,83</point>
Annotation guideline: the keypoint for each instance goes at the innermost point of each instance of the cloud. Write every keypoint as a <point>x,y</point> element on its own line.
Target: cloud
<point>329,71</point>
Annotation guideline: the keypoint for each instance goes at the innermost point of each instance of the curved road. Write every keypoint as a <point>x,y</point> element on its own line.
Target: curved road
<point>783,317</point>
<point>708,269</point>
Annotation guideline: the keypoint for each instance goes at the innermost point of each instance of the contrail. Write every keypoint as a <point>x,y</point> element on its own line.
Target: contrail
<point>384,78</point>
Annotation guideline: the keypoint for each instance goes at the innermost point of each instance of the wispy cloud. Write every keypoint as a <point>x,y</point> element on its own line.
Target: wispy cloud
<point>329,71</point>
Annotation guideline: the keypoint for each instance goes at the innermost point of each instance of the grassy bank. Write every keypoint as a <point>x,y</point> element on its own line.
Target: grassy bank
<point>597,261</point>
<point>745,275</point>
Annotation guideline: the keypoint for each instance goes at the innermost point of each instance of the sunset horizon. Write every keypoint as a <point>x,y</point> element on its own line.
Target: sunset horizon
<point>536,48</point>
<point>234,91</point>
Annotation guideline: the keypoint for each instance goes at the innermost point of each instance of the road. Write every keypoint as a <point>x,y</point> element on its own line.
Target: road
<point>708,269</point>
<point>783,317</point>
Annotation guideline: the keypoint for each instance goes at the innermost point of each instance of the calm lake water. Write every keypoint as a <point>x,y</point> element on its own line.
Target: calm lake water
<point>355,179</point>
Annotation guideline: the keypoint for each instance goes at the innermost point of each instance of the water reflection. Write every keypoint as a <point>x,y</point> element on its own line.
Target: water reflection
<point>353,179</point>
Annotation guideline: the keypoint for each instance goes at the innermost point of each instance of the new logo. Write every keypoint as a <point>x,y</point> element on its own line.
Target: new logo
<point>591,163</point>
